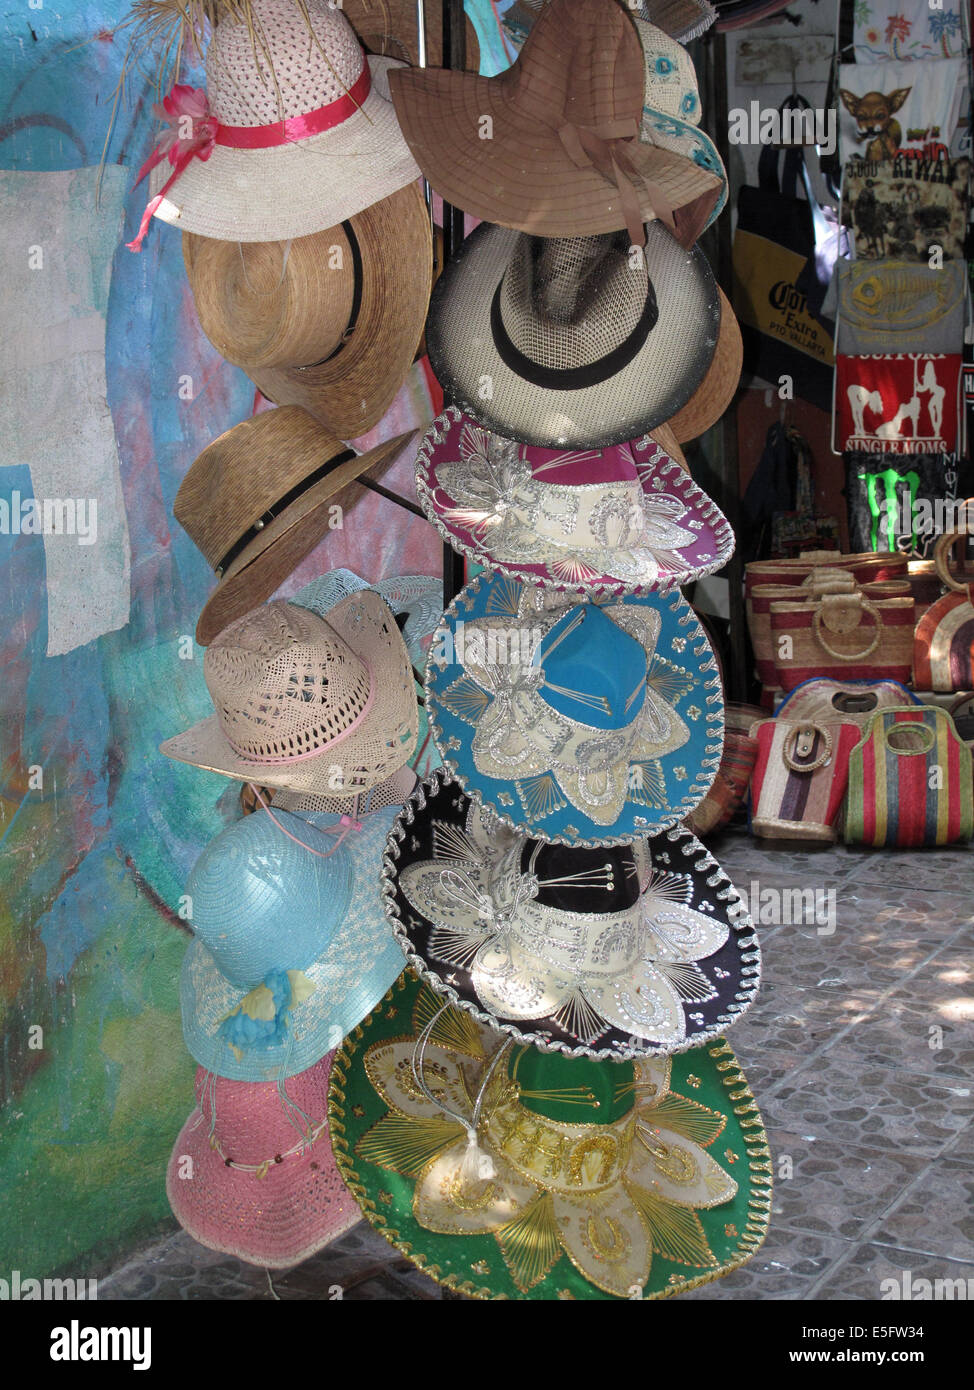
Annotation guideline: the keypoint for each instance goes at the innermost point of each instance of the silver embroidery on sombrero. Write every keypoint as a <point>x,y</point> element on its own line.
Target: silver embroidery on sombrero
<point>519,734</point>
<point>633,970</point>
<point>519,517</point>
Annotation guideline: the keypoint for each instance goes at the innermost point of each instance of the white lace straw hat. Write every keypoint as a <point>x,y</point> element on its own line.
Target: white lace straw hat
<point>305,702</point>
<point>292,134</point>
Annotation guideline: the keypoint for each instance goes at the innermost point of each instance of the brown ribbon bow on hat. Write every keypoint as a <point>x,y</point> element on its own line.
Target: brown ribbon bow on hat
<point>603,147</point>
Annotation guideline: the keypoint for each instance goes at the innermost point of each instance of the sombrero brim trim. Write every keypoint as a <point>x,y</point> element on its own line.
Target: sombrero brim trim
<point>719,386</point>
<point>522,176</point>
<point>395,1221</point>
<point>701,866</point>
<point>394,709</point>
<point>539,573</point>
<point>278,549</point>
<point>589,834</point>
<point>294,189</point>
<point>350,393</point>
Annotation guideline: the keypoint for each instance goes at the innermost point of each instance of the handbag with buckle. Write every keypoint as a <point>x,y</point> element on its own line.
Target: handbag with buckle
<point>799,778</point>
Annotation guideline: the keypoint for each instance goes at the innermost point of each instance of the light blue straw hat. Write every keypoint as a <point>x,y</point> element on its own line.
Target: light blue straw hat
<point>291,949</point>
<point>418,596</point>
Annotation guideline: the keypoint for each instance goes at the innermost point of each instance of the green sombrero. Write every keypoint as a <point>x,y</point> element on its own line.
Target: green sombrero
<point>546,1177</point>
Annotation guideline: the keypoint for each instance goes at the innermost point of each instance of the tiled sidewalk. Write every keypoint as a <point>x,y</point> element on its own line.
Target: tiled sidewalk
<point>860,1052</point>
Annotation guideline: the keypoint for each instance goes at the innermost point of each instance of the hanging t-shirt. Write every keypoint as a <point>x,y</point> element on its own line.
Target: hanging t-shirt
<point>904,207</point>
<point>906,29</point>
<point>898,306</point>
<point>897,404</point>
<point>899,503</point>
<point>899,108</point>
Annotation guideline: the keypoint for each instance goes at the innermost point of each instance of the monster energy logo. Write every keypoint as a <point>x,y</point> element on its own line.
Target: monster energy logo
<point>906,521</point>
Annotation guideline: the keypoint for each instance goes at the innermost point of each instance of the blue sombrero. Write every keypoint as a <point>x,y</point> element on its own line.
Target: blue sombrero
<point>578,722</point>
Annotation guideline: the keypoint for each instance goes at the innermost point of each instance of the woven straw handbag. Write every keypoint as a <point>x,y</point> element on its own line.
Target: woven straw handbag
<point>910,781</point>
<point>943,654</point>
<point>823,699</point>
<point>733,778</point>
<point>847,635</point>
<point>799,778</point>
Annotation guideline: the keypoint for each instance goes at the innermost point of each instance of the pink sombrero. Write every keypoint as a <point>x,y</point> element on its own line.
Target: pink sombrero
<point>623,518</point>
<point>252,1171</point>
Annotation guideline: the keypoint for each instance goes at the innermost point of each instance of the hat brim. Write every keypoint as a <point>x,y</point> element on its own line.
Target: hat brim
<point>275,1221</point>
<point>277,549</point>
<point>718,388</point>
<point>571,568</point>
<point>293,189</point>
<point>352,391</point>
<point>655,793</point>
<point>724,984</point>
<point>376,22</point>
<point>706,1082</point>
<point>356,966</point>
<point>522,176</point>
<point>655,384</point>
<point>370,753</point>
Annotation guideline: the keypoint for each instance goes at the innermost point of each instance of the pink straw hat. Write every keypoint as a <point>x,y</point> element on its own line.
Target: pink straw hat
<point>252,1171</point>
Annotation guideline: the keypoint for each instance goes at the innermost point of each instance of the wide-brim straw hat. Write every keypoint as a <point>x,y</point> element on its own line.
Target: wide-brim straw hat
<point>566,342</point>
<point>288,62</point>
<point>576,1179</point>
<point>415,598</point>
<point>551,145</point>
<point>280,988</point>
<point>608,953</point>
<point>331,321</point>
<point>623,519</point>
<point>257,500</point>
<point>389,28</point>
<point>304,702</point>
<point>585,724</point>
<point>252,1172</point>
<point>719,386</point>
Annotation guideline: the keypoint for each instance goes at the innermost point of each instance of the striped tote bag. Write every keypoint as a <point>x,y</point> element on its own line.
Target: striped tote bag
<point>910,781</point>
<point>943,652</point>
<point>799,778</point>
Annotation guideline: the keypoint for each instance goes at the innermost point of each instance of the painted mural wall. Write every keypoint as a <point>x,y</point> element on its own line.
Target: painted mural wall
<point>108,390</point>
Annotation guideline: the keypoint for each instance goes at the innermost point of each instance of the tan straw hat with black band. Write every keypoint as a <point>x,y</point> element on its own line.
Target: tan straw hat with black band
<point>388,27</point>
<point>330,321</point>
<point>256,502</point>
<point>551,146</point>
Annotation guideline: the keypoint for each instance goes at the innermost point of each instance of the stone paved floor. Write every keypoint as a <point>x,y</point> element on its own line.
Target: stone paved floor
<point>860,1051</point>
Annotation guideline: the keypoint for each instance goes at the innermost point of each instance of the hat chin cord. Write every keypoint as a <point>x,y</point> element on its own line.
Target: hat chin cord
<point>476,1165</point>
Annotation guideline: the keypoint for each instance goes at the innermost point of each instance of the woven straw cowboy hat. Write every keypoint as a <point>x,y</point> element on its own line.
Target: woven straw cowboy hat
<point>507,1172</point>
<point>719,386</point>
<point>291,948</point>
<point>562,156</point>
<point>596,521</point>
<point>305,702</point>
<point>582,723</point>
<point>611,952</point>
<point>330,321</point>
<point>256,502</point>
<point>297,62</point>
<point>261,1181</point>
<point>570,342</point>
<point>389,28</point>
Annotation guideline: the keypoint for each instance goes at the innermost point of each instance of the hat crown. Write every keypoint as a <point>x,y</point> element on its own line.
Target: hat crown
<point>249,1120</point>
<point>567,302</point>
<point>572,1090</point>
<point>581,58</point>
<point>262,902</point>
<point>671,79</point>
<point>582,881</point>
<point>284,683</point>
<point>594,673</point>
<point>284,66</point>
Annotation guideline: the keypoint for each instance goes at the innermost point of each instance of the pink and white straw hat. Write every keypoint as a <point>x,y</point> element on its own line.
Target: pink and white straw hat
<point>309,703</point>
<point>624,518</point>
<point>252,1171</point>
<point>292,134</point>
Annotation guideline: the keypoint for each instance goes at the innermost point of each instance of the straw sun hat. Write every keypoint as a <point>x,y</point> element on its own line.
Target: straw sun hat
<point>256,502</point>
<point>561,155</point>
<point>330,321</point>
<point>292,133</point>
<point>252,1173</point>
<point>305,702</point>
<point>507,1172</point>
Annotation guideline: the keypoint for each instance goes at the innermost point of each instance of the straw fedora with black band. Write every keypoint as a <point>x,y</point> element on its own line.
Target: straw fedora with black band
<point>572,342</point>
<point>561,155</point>
<point>388,28</point>
<point>256,500</point>
<point>331,321</point>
